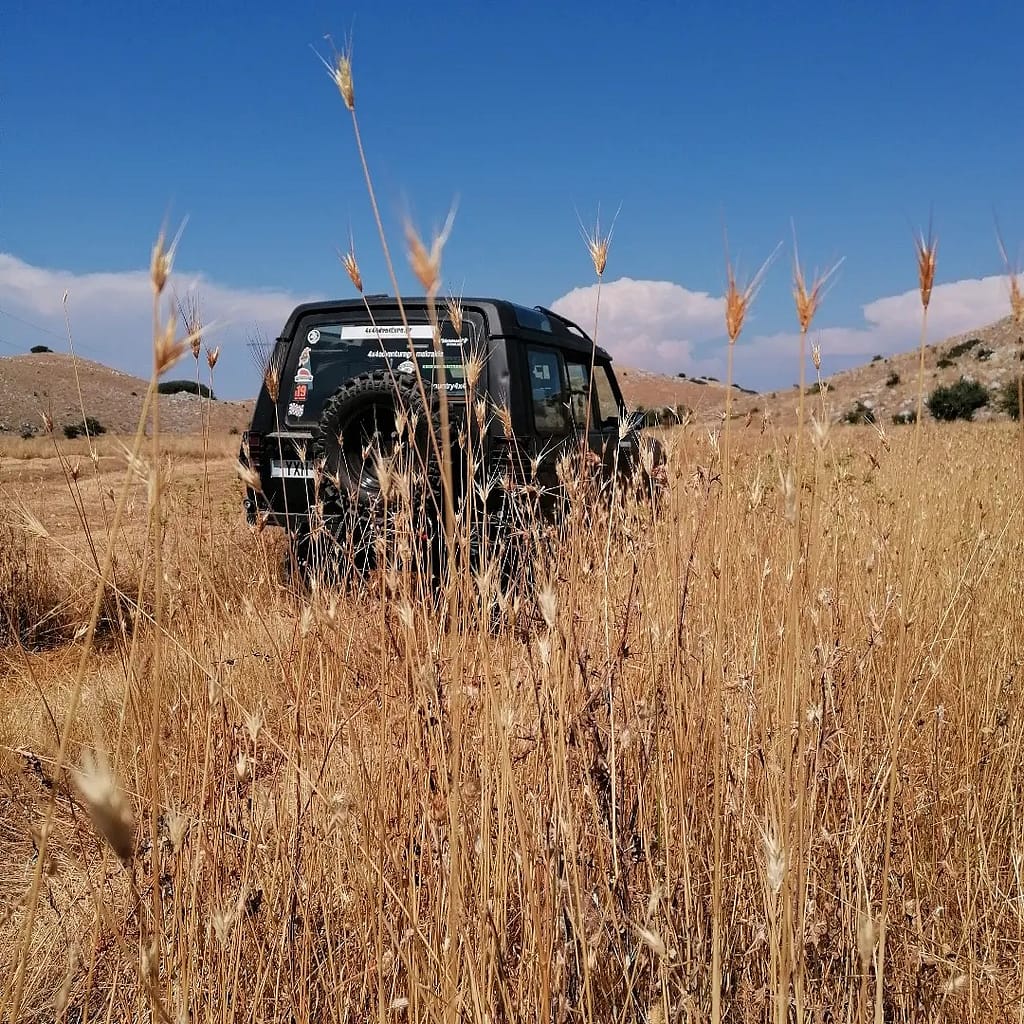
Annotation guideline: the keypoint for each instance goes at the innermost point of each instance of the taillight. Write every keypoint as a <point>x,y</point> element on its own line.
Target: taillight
<point>254,443</point>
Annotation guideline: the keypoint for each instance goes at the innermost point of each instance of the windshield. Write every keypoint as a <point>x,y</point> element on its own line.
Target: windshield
<point>325,356</point>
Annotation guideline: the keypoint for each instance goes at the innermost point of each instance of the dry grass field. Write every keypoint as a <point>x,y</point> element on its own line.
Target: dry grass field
<point>779,720</point>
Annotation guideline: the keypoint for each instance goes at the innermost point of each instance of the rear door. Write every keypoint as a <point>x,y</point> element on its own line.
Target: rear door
<point>330,348</point>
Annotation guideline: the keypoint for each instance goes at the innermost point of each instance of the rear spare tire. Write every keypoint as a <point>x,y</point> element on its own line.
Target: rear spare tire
<point>377,426</point>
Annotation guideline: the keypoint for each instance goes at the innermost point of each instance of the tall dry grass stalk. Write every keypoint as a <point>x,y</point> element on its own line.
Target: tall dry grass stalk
<point>1016,296</point>
<point>738,300</point>
<point>598,244</point>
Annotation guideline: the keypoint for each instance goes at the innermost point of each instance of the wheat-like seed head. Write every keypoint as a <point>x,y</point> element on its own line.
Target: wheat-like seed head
<point>249,477</point>
<point>738,298</point>
<point>167,349</point>
<point>108,807</point>
<point>1016,301</point>
<point>548,604</point>
<point>177,828</point>
<point>192,322</point>
<point>808,296</point>
<point>351,265</point>
<point>652,940</point>
<point>339,70</point>
<point>474,365</point>
<point>453,308</point>
<point>504,415</point>
<point>927,248</point>
<point>161,259</point>
<point>775,862</point>
<point>597,243</point>
<point>60,999</point>
<point>867,938</point>
<point>426,263</point>
<point>31,524</point>
<point>212,355</point>
<point>1013,282</point>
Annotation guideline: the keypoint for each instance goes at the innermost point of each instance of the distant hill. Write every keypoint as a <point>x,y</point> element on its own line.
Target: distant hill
<point>703,396</point>
<point>886,386</point>
<point>46,382</point>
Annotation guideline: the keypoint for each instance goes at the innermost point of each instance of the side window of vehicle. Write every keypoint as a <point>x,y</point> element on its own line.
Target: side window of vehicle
<point>547,388</point>
<point>579,388</point>
<point>607,404</point>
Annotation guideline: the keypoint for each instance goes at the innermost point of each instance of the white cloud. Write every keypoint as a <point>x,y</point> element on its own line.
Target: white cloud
<point>653,325</point>
<point>663,326</point>
<point>111,318</point>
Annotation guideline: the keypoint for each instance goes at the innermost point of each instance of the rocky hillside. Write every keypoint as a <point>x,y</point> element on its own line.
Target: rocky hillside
<point>887,387</point>
<point>38,383</point>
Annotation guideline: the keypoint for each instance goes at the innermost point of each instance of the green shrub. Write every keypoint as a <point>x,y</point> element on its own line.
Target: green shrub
<point>1009,400</point>
<point>904,417</point>
<point>983,355</point>
<point>961,348</point>
<point>89,426</point>
<point>192,387</point>
<point>38,349</point>
<point>892,380</point>
<point>944,362</point>
<point>876,359</point>
<point>958,401</point>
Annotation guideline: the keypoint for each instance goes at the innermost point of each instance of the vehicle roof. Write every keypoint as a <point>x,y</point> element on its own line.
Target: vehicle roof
<point>507,317</point>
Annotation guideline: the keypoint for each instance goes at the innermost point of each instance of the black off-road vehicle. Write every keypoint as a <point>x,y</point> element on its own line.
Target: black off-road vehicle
<point>348,423</point>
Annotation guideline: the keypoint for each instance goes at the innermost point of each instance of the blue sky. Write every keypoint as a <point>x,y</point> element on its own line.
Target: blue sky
<point>854,121</point>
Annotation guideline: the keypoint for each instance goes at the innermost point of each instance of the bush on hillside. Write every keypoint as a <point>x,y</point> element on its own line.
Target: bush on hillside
<point>192,387</point>
<point>963,347</point>
<point>959,401</point>
<point>892,380</point>
<point>38,349</point>
<point>89,425</point>
<point>1009,400</point>
<point>944,362</point>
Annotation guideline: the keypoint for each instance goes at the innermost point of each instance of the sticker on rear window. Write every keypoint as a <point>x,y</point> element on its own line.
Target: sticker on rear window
<point>369,332</point>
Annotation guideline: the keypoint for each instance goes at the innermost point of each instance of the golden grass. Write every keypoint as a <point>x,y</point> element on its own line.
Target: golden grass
<point>107,446</point>
<point>752,752</point>
<point>356,807</point>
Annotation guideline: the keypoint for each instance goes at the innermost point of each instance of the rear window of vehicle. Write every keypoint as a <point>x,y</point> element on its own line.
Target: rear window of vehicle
<point>325,355</point>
